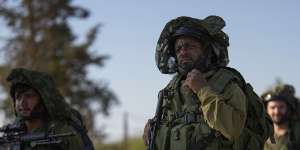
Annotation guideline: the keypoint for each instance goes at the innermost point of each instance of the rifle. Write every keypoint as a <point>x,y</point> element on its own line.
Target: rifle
<point>13,135</point>
<point>155,122</point>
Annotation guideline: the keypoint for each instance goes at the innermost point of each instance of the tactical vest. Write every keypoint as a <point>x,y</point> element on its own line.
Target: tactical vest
<point>183,126</point>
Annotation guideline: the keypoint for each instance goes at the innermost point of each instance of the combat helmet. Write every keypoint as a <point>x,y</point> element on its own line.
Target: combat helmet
<point>286,93</point>
<point>208,31</point>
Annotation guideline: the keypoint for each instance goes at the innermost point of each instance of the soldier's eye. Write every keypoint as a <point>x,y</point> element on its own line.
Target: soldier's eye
<point>17,97</point>
<point>191,46</point>
<point>29,95</point>
<point>178,48</point>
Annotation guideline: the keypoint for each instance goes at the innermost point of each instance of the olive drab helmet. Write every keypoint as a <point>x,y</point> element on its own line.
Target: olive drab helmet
<point>286,93</point>
<point>208,30</point>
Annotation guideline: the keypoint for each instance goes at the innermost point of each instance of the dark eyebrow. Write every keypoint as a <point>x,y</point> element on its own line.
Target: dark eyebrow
<point>18,93</point>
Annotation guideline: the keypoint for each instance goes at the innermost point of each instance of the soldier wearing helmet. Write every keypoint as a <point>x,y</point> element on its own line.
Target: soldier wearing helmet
<point>203,106</point>
<point>282,106</point>
<point>40,109</point>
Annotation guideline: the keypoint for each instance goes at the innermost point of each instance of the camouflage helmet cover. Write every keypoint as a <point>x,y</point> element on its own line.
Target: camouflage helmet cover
<point>208,30</point>
<point>44,84</point>
<point>284,92</point>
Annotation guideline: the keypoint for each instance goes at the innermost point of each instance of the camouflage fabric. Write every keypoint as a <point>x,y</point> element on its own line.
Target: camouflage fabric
<point>44,84</point>
<point>224,114</point>
<point>210,31</point>
<point>212,119</point>
<point>59,111</point>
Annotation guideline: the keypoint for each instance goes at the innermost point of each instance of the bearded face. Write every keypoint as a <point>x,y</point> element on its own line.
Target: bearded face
<point>188,51</point>
<point>28,104</point>
<point>278,111</point>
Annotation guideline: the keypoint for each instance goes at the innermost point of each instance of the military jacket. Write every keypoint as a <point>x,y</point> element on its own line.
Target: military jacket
<point>73,142</point>
<point>289,141</point>
<point>210,119</point>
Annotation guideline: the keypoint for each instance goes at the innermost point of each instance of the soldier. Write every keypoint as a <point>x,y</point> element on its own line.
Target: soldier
<point>40,108</point>
<point>205,105</point>
<point>282,106</point>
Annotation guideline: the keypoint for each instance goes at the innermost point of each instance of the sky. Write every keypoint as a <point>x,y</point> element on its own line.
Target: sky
<point>264,46</point>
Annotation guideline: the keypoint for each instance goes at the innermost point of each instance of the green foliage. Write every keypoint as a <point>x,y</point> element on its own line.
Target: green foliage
<point>41,39</point>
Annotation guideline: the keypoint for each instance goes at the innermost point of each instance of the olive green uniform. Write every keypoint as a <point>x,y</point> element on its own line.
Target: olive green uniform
<point>219,115</point>
<point>281,143</point>
<point>289,141</point>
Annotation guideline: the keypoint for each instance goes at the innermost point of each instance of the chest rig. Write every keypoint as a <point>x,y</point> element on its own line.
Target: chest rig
<point>180,104</point>
<point>183,117</point>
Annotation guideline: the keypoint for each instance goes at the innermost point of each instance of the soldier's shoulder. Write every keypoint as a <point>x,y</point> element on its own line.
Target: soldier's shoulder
<point>228,72</point>
<point>61,127</point>
<point>223,79</point>
<point>173,81</point>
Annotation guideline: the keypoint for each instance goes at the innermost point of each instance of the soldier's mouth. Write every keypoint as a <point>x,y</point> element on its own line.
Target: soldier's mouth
<point>24,110</point>
<point>185,60</point>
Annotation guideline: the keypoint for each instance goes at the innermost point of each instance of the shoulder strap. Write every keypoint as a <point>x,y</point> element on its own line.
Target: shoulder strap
<point>172,84</point>
<point>221,79</point>
<point>241,81</point>
<point>173,89</point>
<point>77,123</point>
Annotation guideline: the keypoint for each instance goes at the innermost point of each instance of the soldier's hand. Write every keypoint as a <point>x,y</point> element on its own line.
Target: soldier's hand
<point>146,132</point>
<point>195,80</point>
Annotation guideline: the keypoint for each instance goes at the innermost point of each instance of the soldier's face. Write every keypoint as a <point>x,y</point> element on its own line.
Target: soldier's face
<point>278,111</point>
<point>188,50</point>
<point>26,102</point>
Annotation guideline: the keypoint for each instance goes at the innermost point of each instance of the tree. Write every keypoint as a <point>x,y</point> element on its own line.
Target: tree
<point>41,39</point>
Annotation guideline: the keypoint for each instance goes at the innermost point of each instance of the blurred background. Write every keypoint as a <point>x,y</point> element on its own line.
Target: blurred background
<point>101,53</point>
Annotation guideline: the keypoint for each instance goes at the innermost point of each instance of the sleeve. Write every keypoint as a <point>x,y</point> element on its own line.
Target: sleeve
<point>224,111</point>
